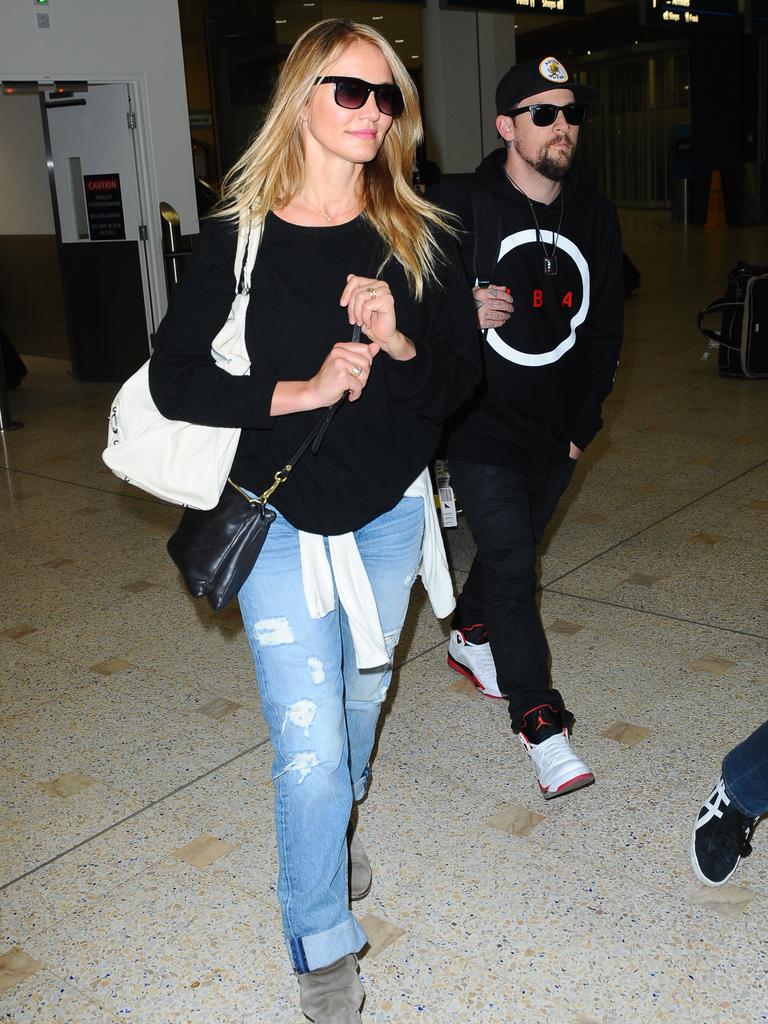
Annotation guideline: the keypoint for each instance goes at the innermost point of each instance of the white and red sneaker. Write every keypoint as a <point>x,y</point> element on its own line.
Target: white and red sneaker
<point>557,767</point>
<point>470,654</point>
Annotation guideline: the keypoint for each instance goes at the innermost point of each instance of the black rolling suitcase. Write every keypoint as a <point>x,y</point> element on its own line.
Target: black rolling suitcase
<point>742,341</point>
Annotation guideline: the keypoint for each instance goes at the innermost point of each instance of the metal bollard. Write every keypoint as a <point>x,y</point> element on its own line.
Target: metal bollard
<point>6,423</point>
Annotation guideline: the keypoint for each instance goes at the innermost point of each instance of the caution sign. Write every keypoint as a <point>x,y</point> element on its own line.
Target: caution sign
<point>104,203</point>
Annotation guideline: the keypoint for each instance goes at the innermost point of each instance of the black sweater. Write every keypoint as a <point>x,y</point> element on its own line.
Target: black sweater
<point>549,368</point>
<point>375,447</point>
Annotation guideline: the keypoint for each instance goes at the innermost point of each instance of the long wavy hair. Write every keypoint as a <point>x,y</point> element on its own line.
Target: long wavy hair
<point>271,170</point>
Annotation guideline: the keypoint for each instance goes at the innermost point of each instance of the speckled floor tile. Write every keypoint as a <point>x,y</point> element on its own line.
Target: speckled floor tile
<point>53,1000</point>
<point>656,553</point>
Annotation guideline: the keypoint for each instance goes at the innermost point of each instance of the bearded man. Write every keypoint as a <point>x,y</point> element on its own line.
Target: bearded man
<point>543,249</point>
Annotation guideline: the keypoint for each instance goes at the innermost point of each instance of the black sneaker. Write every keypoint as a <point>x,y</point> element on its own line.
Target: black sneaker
<point>721,837</point>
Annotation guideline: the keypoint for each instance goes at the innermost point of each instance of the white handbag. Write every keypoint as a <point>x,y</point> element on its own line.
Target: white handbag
<point>184,463</point>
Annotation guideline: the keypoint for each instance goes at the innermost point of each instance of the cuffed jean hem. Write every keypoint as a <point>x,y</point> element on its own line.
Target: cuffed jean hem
<point>314,951</point>
<point>360,788</point>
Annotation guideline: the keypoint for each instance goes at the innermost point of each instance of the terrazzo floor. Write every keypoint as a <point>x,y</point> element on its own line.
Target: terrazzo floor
<point>137,857</point>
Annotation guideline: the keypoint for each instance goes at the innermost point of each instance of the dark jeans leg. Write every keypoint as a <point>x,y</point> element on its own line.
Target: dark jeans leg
<point>745,773</point>
<point>507,512</point>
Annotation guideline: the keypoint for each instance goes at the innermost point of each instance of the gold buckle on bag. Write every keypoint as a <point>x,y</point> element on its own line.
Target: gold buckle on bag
<point>280,477</point>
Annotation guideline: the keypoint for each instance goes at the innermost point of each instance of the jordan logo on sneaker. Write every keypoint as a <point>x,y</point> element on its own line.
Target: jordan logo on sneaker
<point>541,722</point>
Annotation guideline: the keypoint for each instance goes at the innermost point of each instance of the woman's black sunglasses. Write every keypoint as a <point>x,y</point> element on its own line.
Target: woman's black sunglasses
<point>543,114</point>
<point>353,93</point>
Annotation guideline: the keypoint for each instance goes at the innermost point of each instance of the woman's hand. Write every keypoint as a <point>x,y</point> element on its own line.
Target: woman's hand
<point>370,304</point>
<point>346,368</point>
<point>494,306</point>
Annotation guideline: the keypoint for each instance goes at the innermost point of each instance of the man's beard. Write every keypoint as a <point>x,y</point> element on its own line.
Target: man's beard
<point>547,166</point>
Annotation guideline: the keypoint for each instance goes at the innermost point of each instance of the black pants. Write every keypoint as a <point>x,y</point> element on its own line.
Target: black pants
<point>507,512</point>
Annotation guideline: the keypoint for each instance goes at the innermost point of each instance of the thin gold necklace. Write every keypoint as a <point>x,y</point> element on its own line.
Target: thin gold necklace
<point>327,217</point>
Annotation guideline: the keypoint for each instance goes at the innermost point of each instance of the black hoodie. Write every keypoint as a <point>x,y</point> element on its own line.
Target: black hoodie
<point>548,369</point>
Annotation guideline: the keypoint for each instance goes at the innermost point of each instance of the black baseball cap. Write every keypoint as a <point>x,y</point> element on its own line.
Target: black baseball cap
<point>535,76</point>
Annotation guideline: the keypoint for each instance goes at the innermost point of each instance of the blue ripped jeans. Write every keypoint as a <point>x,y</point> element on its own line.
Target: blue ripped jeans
<point>322,714</point>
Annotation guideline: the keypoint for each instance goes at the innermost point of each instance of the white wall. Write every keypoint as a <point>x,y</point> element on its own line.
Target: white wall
<point>25,194</point>
<point>465,55</point>
<point>113,41</point>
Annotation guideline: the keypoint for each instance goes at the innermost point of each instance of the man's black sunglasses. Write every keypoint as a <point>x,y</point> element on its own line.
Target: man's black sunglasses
<point>543,114</point>
<point>353,93</point>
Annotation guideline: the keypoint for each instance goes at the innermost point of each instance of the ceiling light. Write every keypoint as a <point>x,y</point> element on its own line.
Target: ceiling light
<point>399,40</point>
<point>281,21</point>
<point>589,53</point>
<point>377,17</point>
<point>414,56</point>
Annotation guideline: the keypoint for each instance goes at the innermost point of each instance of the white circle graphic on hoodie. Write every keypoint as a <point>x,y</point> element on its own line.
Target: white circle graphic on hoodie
<point>514,355</point>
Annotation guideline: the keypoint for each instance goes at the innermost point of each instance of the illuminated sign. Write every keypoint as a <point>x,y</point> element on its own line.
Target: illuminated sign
<point>562,8</point>
<point>717,15</point>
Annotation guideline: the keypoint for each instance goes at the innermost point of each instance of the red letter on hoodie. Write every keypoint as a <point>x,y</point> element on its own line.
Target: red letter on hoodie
<point>567,300</point>
<point>538,298</point>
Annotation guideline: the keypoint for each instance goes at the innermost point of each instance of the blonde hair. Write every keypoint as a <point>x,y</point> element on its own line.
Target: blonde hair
<point>271,171</point>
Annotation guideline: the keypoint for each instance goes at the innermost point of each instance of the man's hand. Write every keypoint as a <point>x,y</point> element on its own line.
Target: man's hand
<point>574,452</point>
<point>494,306</point>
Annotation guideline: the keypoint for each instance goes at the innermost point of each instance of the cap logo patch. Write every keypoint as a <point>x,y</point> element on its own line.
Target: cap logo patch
<point>551,69</point>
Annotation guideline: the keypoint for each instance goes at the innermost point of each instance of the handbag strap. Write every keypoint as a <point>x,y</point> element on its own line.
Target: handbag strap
<point>313,439</point>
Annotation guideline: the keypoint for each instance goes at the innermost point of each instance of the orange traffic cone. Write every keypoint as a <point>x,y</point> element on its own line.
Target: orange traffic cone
<point>715,205</point>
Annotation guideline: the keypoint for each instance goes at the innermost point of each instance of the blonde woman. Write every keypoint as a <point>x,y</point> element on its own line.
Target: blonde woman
<point>346,242</point>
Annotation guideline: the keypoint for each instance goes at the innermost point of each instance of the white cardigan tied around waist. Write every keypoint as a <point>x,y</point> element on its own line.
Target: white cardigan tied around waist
<point>354,588</point>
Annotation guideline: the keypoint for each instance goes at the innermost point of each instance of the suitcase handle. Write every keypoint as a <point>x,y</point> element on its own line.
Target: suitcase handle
<point>713,307</point>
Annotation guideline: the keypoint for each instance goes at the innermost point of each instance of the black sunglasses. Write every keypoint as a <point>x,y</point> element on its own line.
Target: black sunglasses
<point>353,93</point>
<point>543,114</point>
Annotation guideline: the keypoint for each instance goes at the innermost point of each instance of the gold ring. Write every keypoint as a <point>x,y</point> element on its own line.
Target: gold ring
<point>356,371</point>
<point>372,292</point>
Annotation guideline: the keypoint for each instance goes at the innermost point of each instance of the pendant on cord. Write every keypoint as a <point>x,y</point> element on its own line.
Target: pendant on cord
<point>550,265</point>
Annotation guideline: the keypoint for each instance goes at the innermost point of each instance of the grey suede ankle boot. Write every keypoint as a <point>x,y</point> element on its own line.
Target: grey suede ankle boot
<point>360,871</point>
<point>333,994</point>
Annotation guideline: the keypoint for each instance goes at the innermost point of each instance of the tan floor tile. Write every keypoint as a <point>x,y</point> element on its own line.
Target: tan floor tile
<point>58,563</point>
<point>464,687</point>
<point>758,503</point>
<point>17,632</point>
<point>728,900</point>
<point>203,851</point>
<point>565,627</point>
<point>219,708</point>
<point>110,666</point>
<point>627,733</point>
<point>67,785</point>
<point>717,666</point>
<point>702,460</point>
<point>138,586</point>
<point>516,820</point>
<point>642,579</point>
<point>381,934</point>
<point>592,518</point>
<point>15,967</point>
<point>706,538</point>
<point>650,488</point>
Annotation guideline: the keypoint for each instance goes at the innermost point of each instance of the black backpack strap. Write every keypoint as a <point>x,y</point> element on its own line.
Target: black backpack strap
<point>487,227</point>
